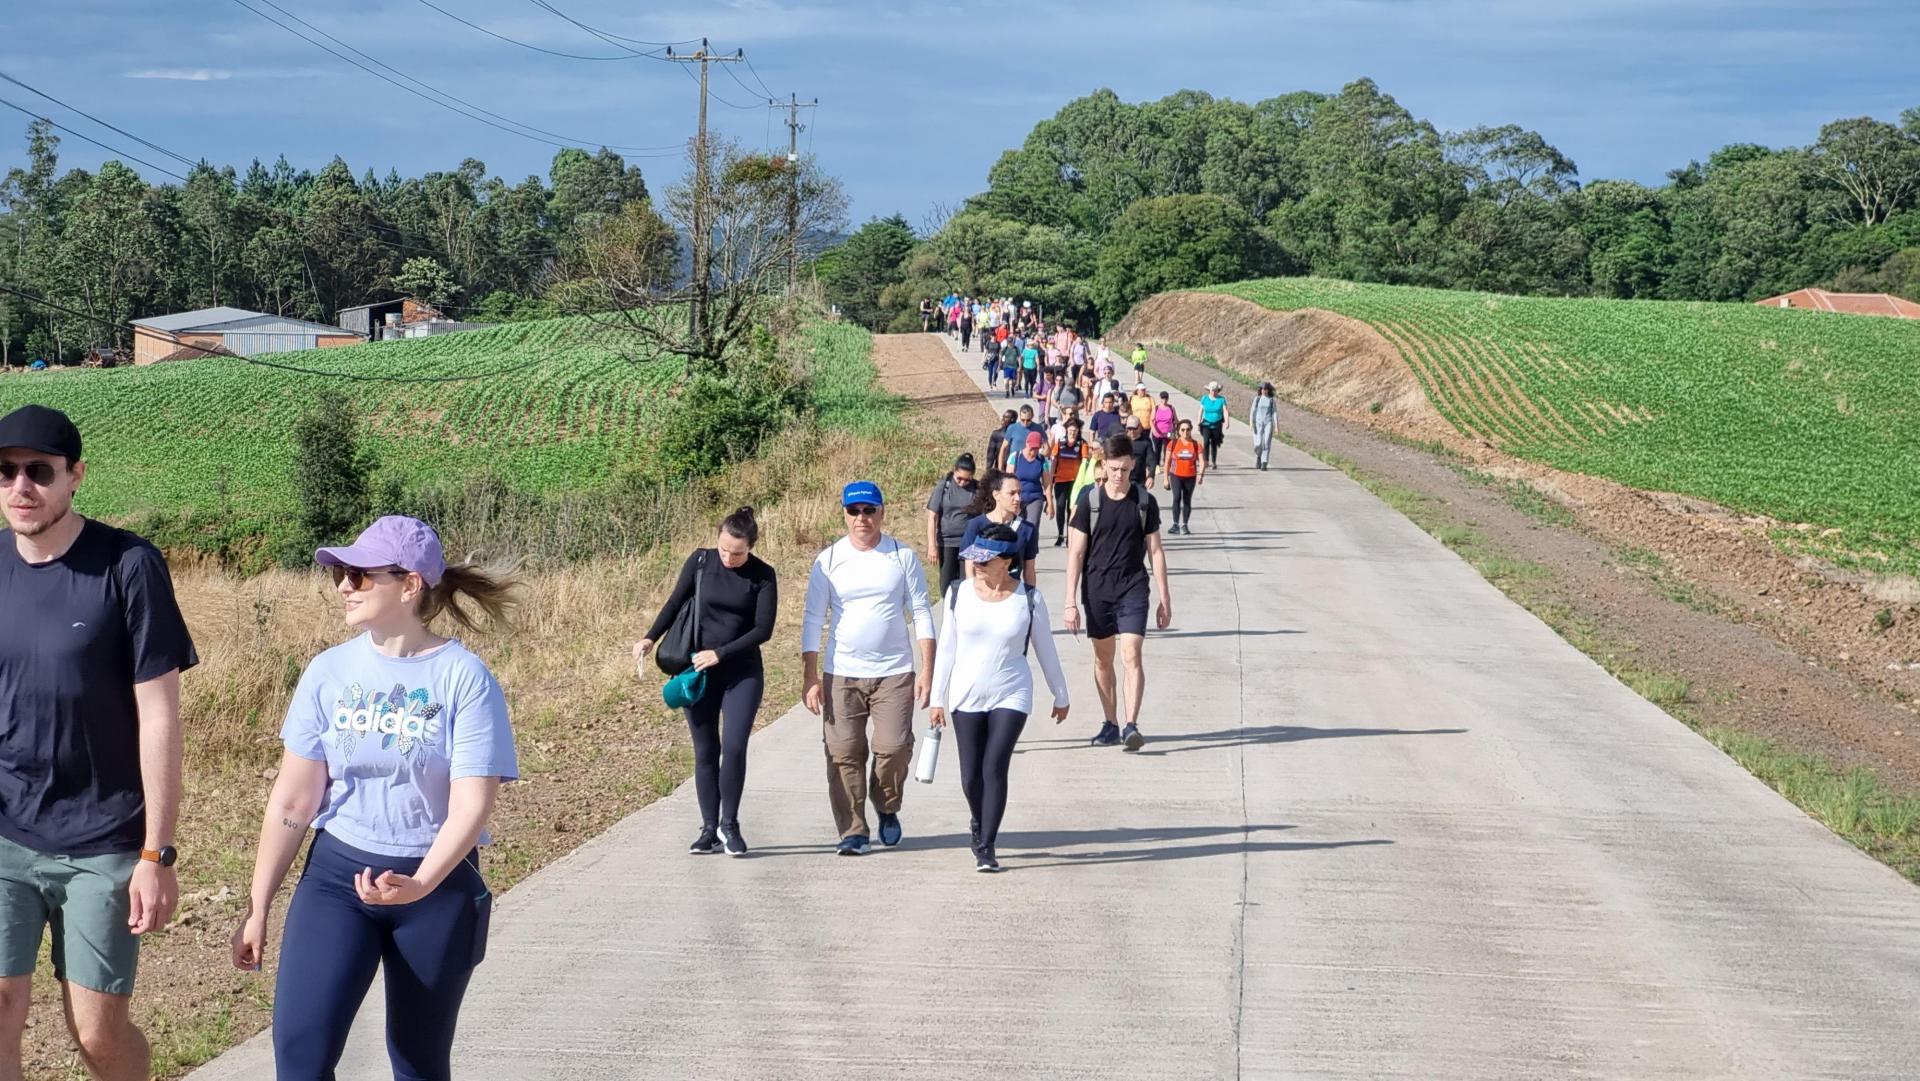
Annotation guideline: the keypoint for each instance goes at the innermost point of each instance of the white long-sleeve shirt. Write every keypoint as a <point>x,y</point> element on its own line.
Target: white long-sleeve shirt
<point>981,661</point>
<point>864,601</point>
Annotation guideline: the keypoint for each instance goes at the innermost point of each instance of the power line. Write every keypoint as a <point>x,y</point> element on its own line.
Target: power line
<point>96,142</point>
<point>743,83</point>
<point>762,82</point>
<point>527,45</point>
<point>718,98</point>
<point>610,38</point>
<point>461,106</point>
<point>181,158</point>
<point>207,350</point>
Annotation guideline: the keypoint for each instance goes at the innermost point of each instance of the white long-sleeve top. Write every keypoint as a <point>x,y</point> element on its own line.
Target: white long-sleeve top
<point>865,602</point>
<point>981,661</point>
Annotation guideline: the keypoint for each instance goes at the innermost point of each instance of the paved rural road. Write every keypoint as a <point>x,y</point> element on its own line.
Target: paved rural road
<point>1389,826</point>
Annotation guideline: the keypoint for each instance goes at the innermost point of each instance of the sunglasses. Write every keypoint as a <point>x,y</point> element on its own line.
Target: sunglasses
<point>862,510</point>
<point>40,473</point>
<point>358,578</point>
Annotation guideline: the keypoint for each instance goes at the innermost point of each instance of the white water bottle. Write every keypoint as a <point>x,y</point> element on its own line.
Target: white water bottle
<point>929,757</point>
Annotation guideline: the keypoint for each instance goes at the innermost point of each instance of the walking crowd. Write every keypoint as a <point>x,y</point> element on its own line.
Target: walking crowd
<point>396,742</point>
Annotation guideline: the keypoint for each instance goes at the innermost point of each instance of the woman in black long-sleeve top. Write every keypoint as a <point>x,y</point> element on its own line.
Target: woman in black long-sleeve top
<point>739,599</point>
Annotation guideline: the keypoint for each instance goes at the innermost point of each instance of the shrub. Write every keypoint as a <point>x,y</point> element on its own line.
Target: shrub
<point>329,475</point>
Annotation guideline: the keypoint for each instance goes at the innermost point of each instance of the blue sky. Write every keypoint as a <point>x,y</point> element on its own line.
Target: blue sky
<point>918,98</point>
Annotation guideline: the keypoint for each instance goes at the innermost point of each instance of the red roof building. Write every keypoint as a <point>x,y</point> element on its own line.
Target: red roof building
<point>1820,300</point>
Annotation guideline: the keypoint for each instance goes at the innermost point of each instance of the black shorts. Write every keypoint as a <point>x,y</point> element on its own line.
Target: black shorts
<point>1109,614</point>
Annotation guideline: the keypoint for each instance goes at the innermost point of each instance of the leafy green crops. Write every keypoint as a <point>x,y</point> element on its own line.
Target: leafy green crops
<point>549,405</point>
<point>1809,417</point>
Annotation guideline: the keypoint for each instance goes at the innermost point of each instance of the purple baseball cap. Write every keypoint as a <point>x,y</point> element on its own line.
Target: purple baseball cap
<point>393,541</point>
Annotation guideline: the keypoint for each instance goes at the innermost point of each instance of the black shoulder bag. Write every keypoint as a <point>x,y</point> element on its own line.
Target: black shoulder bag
<point>674,653</point>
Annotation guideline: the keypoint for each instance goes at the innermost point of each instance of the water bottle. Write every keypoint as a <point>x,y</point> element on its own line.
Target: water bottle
<point>929,757</point>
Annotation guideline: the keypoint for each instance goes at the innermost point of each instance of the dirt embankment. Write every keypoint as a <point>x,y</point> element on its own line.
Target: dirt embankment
<point>1329,363</point>
<point>1843,678</point>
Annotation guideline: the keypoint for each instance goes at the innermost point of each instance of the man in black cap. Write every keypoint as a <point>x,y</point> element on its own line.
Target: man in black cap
<point>91,650</point>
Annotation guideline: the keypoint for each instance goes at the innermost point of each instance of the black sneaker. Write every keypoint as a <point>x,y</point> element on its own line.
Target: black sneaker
<point>890,830</point>
<point>1059,542</point>
<point>1132,737</point>
<point>706,844</point>
<point>984,862</point>
<point>1108,736</point>
<point>855,845</point>
<point>736,845</point>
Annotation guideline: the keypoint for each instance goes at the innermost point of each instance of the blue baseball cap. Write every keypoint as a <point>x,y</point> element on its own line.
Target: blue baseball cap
<point>861,491</point>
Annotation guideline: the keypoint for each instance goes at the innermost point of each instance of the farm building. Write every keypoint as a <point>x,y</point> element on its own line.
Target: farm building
<point>389,320</point>
<point>1820,300</point>
<point>185,335</point>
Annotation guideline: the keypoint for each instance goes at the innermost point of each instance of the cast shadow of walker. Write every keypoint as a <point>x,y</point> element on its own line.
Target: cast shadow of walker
<point>1174,743</point>
<point>1152,844</point>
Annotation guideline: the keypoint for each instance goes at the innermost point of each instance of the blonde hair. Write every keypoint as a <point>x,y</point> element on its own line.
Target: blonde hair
<point>494,593</point>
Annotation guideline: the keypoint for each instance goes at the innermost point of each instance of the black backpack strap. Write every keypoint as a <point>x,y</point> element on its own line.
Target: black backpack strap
<point>1030,592</point>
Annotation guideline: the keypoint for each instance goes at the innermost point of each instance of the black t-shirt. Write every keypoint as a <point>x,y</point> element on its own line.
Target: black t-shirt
<point>738,606</point>
<point>1145,458</point>
<point>76,636</point>
<point>1117,552</point>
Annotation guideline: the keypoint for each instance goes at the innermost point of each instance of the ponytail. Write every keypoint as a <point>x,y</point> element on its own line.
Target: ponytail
<point>493,593</point>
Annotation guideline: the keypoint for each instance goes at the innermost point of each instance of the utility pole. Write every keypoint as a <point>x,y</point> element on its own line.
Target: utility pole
<point>793,106</point>
<point>702,232</point>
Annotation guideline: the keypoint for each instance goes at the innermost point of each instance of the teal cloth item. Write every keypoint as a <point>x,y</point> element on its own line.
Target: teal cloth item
<point>684,689</point>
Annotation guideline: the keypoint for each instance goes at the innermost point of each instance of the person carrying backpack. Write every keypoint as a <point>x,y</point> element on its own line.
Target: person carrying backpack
<point>1115,531</point>
<point>1186,468</point>
<point>982,684</point>
<point>947,514</point>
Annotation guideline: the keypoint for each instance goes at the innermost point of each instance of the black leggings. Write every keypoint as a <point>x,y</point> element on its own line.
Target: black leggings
<point>1062,506</point>
<point>1213,435</point>
<point>986,755</point>
<point>1182,499</point>
<point>949,566</point>
<point>966,336</point>
<point>720,750</point>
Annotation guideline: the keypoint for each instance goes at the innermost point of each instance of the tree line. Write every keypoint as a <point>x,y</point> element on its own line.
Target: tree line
<point>112,247</point>
<point>1107,202</point>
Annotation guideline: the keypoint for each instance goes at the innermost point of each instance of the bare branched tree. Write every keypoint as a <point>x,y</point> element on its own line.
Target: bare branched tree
<point>626,274</point>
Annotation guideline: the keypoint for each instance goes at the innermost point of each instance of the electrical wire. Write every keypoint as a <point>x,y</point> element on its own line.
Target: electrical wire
<point>712,94</point>
<point>181,158</point>
<point>210,351</point>
<point>528,45</point>
<point>744,86</point>
<point>615,40</point>
<point>757,78</point>
<point>96,142</point>
<point>460,106</point>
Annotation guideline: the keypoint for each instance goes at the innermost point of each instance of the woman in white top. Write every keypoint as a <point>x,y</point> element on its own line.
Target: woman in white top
<point>981,678</point>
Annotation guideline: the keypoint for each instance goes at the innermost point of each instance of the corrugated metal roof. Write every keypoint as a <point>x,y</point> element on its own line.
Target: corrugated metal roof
<point>195,319</point>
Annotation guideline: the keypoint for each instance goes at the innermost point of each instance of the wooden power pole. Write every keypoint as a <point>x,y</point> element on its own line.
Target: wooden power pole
<point>793,105</point>
<point>702,232</point>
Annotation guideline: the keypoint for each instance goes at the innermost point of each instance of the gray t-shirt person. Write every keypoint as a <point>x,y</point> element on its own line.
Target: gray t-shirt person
<point>951,500</point>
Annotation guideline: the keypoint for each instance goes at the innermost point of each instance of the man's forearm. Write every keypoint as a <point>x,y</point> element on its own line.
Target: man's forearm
<point>157,703</point>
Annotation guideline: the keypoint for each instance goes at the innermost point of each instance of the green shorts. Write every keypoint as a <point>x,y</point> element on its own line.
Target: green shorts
<point>84,899</point>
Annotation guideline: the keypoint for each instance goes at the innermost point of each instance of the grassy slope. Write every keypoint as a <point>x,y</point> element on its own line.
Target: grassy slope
<point>216,433</point>
<point>1807,417</point>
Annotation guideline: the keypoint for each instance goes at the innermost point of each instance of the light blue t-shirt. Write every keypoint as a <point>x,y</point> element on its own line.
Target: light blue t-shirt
<point>1213,409</point>
<point>395,733</point>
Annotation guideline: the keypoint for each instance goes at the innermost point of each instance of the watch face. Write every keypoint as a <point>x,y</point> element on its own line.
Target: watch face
<point>168,854</point>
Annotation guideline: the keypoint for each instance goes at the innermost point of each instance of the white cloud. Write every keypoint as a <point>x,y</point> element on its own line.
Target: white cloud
<point>191,75</point>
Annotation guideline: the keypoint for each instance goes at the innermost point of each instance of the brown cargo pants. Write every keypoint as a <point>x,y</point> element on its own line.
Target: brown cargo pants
<point>849,704</point>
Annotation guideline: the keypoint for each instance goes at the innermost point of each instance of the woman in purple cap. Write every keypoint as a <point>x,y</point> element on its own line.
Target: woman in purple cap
<point>396,744</point>
<point>981,680</point>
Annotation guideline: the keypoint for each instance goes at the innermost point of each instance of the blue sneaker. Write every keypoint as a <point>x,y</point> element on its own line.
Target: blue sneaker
<point>890,833</point>
<point>1132,737</point>
<point>853,846</point>
<point>1108,736</point>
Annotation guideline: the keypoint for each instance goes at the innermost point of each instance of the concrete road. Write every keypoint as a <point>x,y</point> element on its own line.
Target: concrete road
<point>1389,825</point>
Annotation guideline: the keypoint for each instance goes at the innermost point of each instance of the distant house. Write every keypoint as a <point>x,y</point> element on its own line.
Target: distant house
<point>1820,300</point>
<point>229,331</point>
<point>389,320</point>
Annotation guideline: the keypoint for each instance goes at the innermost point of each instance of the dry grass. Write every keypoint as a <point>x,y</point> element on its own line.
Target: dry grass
<point>595,743</point>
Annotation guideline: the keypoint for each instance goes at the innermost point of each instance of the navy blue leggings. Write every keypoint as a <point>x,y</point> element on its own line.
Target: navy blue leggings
<point>333,942</point>
<point>721,722</point>
<point>986,756</point>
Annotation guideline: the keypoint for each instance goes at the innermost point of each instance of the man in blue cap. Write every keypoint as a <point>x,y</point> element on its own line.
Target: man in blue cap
<point>867,593</point>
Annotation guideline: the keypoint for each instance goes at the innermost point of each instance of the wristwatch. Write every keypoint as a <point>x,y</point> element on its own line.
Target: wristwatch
<point>165,857</point>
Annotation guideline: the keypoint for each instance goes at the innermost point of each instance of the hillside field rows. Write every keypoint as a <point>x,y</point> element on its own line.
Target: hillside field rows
<point>1806,417</point>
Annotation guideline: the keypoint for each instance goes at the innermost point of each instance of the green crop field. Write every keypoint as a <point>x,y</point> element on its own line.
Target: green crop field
<point>1809,417</point>
<point>545,405</point>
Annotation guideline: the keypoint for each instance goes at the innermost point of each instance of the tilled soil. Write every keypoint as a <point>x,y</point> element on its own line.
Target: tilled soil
<point>1770,649</point>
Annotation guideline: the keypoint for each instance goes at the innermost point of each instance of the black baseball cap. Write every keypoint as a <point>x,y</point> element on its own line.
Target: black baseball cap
<point>36,427</point>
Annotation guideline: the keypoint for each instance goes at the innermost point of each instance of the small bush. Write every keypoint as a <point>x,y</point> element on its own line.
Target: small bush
<point>329,476</point>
